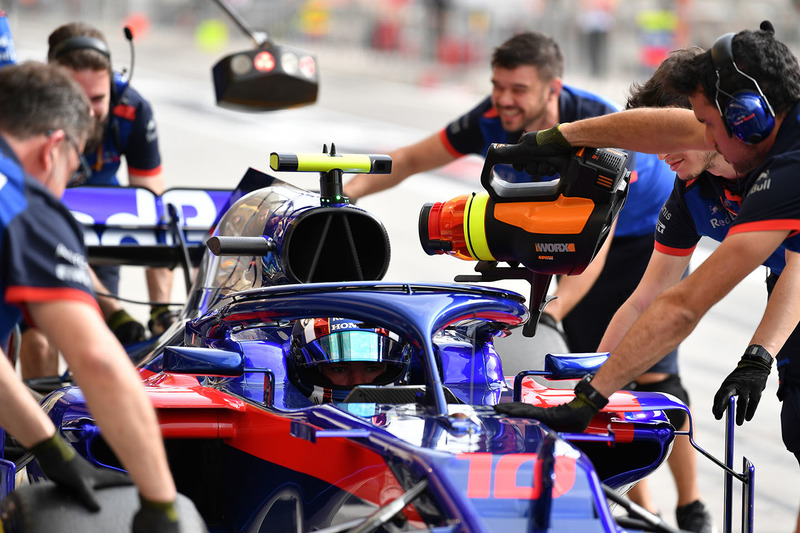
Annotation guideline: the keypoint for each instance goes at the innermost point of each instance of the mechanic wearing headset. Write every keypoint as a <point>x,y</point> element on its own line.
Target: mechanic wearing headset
<point>528,94</point>
<point>704,201</point>
<point>745,95</point>
<point>124,126</point>
<point>44,121</point>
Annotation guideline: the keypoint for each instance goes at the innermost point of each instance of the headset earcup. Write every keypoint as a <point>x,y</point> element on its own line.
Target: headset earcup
<point>747,117</point>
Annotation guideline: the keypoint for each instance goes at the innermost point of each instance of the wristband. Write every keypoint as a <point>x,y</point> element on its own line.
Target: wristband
<point>758,354</point>
<point>169,509</point>
<point>552,136</point>
<point>589,393</point>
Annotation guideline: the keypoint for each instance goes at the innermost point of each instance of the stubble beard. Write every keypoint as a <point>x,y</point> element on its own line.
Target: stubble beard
<point>95,139</point>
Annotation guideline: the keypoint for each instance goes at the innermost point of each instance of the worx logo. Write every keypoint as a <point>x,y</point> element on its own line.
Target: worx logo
<point>555,246</point>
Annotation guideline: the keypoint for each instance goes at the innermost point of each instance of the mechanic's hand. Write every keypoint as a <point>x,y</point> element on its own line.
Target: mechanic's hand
<point>161,318</point>
<point>125,327</point>
<point>548,149</point>
<point>572,417</point>
<point>61,464</point>
<point>747,381</point>
<point>155,517</point>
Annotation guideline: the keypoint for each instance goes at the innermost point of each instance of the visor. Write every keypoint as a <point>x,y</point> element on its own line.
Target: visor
<point>352,345</point>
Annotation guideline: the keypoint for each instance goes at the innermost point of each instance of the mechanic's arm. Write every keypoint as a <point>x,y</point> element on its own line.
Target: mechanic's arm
<point>425,155</point>
<point>571,289</point>
<point>782,313</point>
<point>749,379</point>
<point>649,130</point>
<point>121,323</point>
<point>663,271</point>
<point>154,182</point>
<point>113,389</point>
<point>676,312</point>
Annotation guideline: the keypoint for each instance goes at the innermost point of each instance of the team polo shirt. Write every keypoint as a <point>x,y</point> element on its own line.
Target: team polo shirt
<point>651,181</point>
<point>42,257</point>
<point>768,198</point>
<point>772,199</point>
<point>706,206</point>
<point>130,131</point>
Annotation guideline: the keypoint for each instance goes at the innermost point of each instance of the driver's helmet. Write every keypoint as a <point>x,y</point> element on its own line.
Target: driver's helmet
<point>334,343</point>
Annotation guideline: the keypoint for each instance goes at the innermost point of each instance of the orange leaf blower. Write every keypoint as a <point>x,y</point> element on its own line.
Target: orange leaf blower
<point>550,227</point>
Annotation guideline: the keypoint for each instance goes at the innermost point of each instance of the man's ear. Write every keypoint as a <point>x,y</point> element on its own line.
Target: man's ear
<point>45,154</point>
<point>556,84</point>
<point>45,150</point>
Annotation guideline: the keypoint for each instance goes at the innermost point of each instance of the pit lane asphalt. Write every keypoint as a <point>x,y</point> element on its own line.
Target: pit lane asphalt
<point>370,104</point>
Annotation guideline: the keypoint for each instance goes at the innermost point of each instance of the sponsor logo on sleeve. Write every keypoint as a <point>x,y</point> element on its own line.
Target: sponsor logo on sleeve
<point>151,134</point>
<point>71,266</point>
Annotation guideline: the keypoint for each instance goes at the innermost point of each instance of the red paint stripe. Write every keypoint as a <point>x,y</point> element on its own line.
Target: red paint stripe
<point>508,484</point>
<point>266,435</point>
<point>479,479</point>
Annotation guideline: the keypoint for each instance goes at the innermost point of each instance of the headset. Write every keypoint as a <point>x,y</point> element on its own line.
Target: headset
<point>85,42</point>
<point>748,114</point>
<point>81,42</point>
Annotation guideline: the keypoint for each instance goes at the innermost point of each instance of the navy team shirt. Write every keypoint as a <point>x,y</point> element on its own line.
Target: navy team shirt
<point>42,257</point>
<point>768,198</point>
<point>130,131</point>
<point>651,179</point>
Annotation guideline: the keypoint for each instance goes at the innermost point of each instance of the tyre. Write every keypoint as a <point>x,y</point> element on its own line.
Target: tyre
<point>44,508</point>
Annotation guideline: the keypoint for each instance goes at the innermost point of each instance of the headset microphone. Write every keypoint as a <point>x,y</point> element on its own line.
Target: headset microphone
<point>128,74</point>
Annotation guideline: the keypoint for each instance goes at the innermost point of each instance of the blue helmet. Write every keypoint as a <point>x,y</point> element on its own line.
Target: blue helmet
<point>322,345</point>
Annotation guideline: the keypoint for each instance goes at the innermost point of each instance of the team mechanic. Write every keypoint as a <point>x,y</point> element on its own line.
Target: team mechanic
<point>125,127</point>
<point>44,120</point>
<point>529,94</point>
<point>705,199</point>
<point>745,95</point>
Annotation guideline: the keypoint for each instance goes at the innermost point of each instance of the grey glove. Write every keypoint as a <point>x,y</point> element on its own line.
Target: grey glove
<point>125,327</point>
<point>155,517</point>
<point>61,464</point>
